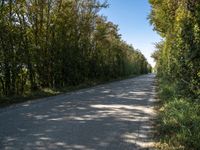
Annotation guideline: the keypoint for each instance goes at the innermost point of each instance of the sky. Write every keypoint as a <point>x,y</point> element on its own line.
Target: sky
<point>131,16</point>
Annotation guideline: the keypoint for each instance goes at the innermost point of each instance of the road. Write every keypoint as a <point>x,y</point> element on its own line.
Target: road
<point>114,116</point>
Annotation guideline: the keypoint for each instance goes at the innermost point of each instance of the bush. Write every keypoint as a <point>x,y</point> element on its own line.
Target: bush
<point>180,124</point>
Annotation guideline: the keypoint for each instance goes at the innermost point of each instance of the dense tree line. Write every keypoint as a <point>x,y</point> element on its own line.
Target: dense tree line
<point>57,43</point>
<point>178,55</point>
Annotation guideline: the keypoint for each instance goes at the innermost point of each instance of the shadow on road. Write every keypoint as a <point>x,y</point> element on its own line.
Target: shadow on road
<point>116,116</point>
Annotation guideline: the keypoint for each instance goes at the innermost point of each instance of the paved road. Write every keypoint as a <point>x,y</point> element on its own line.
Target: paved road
<point>114,116</point>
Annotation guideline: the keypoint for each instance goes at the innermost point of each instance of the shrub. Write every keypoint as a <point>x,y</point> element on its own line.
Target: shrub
<point>180,123</point>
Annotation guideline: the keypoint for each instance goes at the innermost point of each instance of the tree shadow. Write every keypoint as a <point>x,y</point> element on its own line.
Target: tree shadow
<point>115,116</point>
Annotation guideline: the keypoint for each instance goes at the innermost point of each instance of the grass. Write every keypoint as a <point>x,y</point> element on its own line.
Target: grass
<point>47,92</point>
<point>178,120</point>
<point>7,101</point>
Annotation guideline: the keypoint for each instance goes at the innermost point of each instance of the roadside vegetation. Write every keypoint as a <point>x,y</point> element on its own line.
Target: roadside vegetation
<point>178,70</point>
<point>60,44</point>
<point>178,122</point>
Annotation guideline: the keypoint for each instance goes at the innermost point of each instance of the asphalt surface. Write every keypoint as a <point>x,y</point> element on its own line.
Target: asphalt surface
<point>114,116</point>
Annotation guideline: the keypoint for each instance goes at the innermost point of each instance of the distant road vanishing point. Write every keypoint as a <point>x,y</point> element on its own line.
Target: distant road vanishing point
<point>114,116</point>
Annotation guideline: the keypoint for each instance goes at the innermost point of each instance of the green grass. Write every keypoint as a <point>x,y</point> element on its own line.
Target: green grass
<point>7,101</point>
<point>178,120</point>
<point>41,93</point>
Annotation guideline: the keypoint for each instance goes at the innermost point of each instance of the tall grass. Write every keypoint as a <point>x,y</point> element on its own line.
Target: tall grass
<point>178,120</point>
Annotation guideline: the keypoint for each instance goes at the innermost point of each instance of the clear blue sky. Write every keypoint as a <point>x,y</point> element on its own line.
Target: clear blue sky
<point>131,16</point>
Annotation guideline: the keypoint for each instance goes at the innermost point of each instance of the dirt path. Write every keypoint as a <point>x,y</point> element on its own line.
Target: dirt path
<point>115,116</point>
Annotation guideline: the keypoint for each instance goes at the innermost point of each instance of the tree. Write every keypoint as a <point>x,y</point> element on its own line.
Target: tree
<point>178,57</point>
<point>59,43</point>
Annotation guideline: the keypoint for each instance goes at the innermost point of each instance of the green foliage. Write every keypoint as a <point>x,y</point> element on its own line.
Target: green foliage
<point>166,90</point>
<point>179,120</point>
<point>178,65</point>
<point>60,43</point>
<point>178,56</point>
